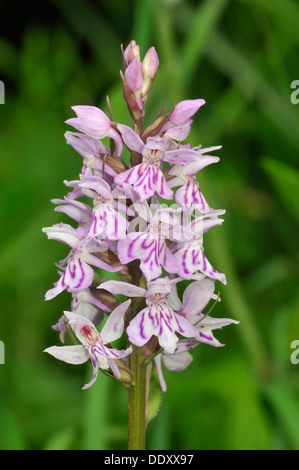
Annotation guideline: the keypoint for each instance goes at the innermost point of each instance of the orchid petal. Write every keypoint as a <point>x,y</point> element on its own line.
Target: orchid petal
<point>170,262</point>
<point>181,156</point>
<point>191,258</point>
<point>85,145</point>
<point>185,110</point>
<point>131,247</point>
<point>177,362</point>
<point>179,133</point>
<point>77,210</point>
<point>108,223</point>
<point>120,287</point>
<point>202,225</point>
<point>71,354</point>
<point>51,293</point>
<point>207,337</point>
<point>140,329</point>
<point>207,323</point>
<point>99,185</point>
<point>158,364</point>
<point>114,326</point>
<point>193,167</point>
<point>95,368</point>
<point>150,266</point>
<point>158,320</point>
<point>83,328</point>
<point>77,276</point>
<point>63,233</point>
<point>91,120</point>
<point>84,304</point>
<point>185,327</point>
<point>146,179</point>
<point>131,139</point>
<point>197,295</point>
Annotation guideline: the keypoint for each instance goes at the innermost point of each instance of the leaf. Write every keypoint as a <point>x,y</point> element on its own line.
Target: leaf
<point>8,59</point>
<point>90,24</point>
<point>61,440</point>
<point>268,275</point>
<point>285,406</point>
<point>286,14</point>
<point>286,182</point>
<point>155,399</point>
<point>280,347</point>
<point>159,430</point>
<point>142,25</point>
<point>248,78</point>
<point>11,432</point>
<point>205,19</point>
<point>95,416</point>
<point>221,395</point>
<point>293,321</point>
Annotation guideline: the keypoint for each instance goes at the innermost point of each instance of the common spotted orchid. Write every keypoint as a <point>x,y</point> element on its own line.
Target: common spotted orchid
<point>127,225</point>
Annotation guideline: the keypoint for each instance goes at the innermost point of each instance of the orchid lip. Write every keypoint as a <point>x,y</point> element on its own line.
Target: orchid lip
<point>91,336</point>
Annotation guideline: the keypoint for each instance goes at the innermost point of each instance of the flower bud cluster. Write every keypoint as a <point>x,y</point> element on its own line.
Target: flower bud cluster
<point>138,78</point>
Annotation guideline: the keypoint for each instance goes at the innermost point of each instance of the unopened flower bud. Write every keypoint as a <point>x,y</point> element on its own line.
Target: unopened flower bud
<point>134,75</point>
<point>150,63</point>
<point>131,51</point>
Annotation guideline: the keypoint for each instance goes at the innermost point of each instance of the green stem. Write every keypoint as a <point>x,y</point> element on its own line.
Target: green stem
<point>137,400</point>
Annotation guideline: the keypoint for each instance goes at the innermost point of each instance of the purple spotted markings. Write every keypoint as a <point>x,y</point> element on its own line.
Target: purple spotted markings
<point>138,212</point>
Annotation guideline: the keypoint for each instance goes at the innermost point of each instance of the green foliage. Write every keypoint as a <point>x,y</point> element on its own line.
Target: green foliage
<point>155,398</point>
<point>286,181</point>
<point>240,56</point>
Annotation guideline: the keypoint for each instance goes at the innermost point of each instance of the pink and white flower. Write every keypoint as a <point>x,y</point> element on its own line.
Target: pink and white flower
<point>150,247</point>
<point>95,346</point>
<point>189,196</point>
<point>107,222</point>
<point>190,256</point>
<point>157,319</point>
<point>195,298</point>
<point>147,177</point>
<point>77,273</point>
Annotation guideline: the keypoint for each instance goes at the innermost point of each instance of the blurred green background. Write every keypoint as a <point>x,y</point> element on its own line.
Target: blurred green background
<point>241,57</point>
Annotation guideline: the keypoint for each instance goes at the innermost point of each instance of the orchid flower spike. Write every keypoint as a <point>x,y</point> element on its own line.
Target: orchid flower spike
<point>140,223</point>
